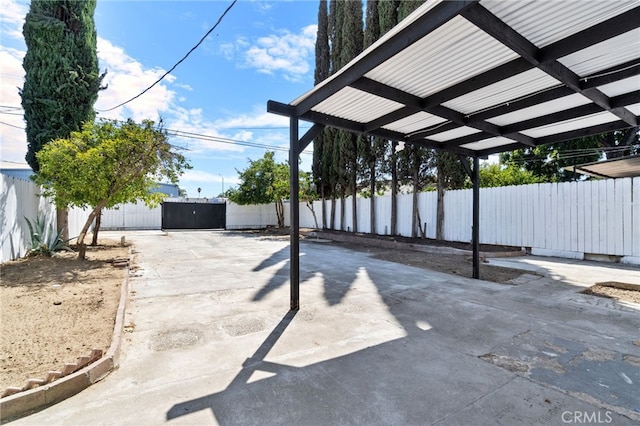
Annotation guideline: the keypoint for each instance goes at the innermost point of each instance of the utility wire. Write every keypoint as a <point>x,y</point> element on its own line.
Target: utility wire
<point>11,125</point>
<point>177,63</point>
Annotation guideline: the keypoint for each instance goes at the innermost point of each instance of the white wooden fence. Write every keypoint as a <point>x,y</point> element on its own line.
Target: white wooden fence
<point>20,198</point>
<point>573,219</point>
<point>131,216</point>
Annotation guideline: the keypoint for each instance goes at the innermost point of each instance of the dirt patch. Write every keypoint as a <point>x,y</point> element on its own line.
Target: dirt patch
<point>614,290</point>
<point>55,309</point>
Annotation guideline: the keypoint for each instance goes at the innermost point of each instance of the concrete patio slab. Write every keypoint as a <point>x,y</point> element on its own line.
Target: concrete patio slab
<point>375,342</point>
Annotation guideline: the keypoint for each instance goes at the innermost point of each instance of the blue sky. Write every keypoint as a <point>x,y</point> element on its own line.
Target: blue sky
<point>261,50</point>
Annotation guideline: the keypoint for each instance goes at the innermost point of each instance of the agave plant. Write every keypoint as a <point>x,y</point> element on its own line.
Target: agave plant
<point>45,241</point>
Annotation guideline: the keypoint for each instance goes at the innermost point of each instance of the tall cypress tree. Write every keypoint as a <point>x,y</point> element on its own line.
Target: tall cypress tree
<point>373,148</point>
<point>323,63</point>
<point>416,162</point>
<point>352,41</point>
<point>61,71</point>
<point>388,18</point>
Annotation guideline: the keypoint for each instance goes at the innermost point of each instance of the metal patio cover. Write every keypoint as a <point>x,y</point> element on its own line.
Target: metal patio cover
<point>615,168</point>
<point>482,77</point>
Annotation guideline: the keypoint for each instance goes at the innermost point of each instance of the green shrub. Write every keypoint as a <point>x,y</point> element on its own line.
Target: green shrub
<point>44,242</point>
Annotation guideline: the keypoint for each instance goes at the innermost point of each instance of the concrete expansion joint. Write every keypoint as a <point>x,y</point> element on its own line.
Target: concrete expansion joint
<point>75,377</point>
<point>481,397</point>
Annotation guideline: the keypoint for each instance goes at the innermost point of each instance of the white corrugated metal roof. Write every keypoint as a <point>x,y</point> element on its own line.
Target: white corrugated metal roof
<point>573,124</point>
<point>348,104</point>
<point>617,50</point>
<point>450,54</point>
<point>538,110</point>
<point>488,143</point>
<point>545,22</point>
<point>473,69</point>
<point>415,122</point>
<point>621,87</point>
<point>515,87</point>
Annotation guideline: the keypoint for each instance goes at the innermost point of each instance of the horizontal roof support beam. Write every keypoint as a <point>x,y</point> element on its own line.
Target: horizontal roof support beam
<point>279,108</point>
<point>611,75</point>
<point>598,33</point>
<point>626,99</point>
<point>352,126</point>
<point>493,26</point>
<point>437,145</point>
<point>581,133</point>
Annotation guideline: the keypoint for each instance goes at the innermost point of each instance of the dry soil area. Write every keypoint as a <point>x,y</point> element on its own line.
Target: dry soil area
<point>55,309</point>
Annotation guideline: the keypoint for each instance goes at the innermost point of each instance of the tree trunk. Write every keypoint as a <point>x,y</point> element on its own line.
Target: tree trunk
<point>83,233</point>
<point>354,200</point>
<point>324,207</point>
<point>62,223</point>
<point>332,225</point>
<point>280,213</point>
<point>440,208</point>
<point>96,228</point>
<point>313,212</point>
<point>394,189</point>
<point>342,212</point>
<point>372,213</point>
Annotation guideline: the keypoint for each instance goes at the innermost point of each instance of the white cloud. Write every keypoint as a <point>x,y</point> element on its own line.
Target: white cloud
<point>126,77</point>
<point>258,118</point>
<point>12,136</point>
<point>12,15</point>
<point>286,53</point>
<point>200,176</point>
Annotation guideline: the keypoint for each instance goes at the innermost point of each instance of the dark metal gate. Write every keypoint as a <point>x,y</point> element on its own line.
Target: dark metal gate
<point>193,215</point>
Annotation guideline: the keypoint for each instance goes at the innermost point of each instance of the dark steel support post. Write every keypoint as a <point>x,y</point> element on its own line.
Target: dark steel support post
<point>294,207</point>
<point>475,231</point>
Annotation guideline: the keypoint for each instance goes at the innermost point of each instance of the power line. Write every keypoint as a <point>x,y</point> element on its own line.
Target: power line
<point>11,125</point>
<point>219,139</point>
<point>177,63</point>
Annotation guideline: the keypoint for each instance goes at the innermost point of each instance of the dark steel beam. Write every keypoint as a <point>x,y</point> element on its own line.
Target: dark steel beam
<point>475,229</point>
<point>294,208</point>
<point>524,102</point>
<point>279,108</point>
<point>353,126</point>
<point>465,165</point>
<point>605,30</point>
<point>435,129</point>
<point>555,117</point>
<point>626,99</point>
<point>611,75</point>
<point>425,24</point>
<point>493,26</point>
<point>479,81</point>
<point>438,145</point>
<point>501,148</point>
<point>308,137</point>
<point>580,133</point>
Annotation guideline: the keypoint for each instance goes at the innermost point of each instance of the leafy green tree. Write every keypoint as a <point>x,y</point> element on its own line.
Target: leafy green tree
<point>492,175</point>
<point>266,181</point>
<point>61,71</point>
<point>108,163</point>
